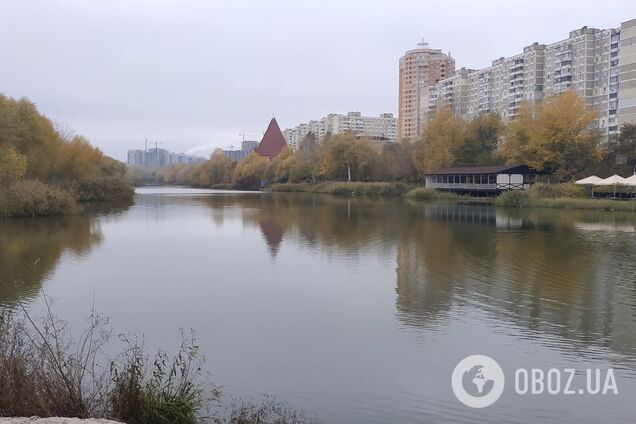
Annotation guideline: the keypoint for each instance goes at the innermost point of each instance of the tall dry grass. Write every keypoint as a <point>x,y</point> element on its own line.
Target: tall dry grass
<point>45,371</point>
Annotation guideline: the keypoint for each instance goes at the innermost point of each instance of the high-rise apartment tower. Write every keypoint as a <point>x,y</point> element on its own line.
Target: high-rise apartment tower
<point>419,69</point>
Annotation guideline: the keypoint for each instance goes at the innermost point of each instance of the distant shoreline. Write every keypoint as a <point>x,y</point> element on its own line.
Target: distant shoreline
<point>517,199</point>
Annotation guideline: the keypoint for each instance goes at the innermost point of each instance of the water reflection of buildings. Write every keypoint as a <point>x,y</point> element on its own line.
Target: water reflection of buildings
<point>534,270</point>
<point>558,282</point>
<point>473,214</point>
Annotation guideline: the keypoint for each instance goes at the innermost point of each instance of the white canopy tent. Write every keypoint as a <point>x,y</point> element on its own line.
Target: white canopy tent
<point>612,181</point>
<point>589,180</point>
<point>631,180</point>
<point>625,185</point>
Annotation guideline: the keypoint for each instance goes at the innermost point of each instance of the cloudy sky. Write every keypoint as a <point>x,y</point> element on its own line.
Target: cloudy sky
<point>192,74</point>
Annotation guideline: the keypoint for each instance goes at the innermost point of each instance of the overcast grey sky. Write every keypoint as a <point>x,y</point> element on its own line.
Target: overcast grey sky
<point>193,74</point>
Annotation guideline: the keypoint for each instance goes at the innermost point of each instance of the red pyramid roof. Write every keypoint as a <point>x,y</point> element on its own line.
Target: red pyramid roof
<point>273,141</point>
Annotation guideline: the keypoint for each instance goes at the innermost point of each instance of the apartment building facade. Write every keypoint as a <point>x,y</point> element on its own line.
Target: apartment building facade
<point>500,88</point>
<point>599,64</point>
<point>587,62</point>
<point>157,158</point>
<point>382,128</point>
<point>453,91</point>
<point>627,73</point>
<point>418,69</point>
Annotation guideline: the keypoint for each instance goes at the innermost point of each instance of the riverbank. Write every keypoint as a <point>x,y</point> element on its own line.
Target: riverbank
<point>383,189</point>
<point>557,196</point>
<point>33,198</point>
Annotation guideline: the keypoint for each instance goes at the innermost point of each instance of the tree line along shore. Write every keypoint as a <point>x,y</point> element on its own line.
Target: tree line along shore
<point>554,137</point>
<point>46,170</point>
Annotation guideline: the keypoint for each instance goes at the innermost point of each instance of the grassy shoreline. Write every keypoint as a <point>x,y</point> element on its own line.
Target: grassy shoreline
<point>34,198</point>
<point>557,196</point>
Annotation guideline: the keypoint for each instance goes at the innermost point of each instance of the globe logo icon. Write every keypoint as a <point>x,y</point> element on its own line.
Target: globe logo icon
<point>478,381</point>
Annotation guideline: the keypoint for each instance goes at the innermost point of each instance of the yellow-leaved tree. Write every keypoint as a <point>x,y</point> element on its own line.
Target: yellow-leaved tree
<point>441,137</point>
<point>13,165</point>
<point>250,171</point>
<point>555,136</point>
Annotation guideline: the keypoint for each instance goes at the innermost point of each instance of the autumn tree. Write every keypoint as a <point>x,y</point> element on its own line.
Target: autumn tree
<point>31,147</point>
<point>555,136</point>
<point>306,160</point>
<point>441,138</point>
<point>518,135</point>
<point>350,158</point>
<point>217,170</point>
<point>279,166</point>
<point>396,162</point>
<point>480,141</point>
<point>250,171</point>
<point>13,165</point>
<point>621,150</point>
<point>30,134</point>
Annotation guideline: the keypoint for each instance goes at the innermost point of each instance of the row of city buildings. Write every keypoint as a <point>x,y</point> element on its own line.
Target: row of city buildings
<point>382,128</point>
<point>599,64</point>
<point>157,158</point>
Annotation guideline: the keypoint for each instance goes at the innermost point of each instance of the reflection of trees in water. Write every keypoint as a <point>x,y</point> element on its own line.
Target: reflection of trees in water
<point>540,269</point>
<point>31,248</point>
<point>548,277</point>
<point>327,223</point>
<point>534,268</point>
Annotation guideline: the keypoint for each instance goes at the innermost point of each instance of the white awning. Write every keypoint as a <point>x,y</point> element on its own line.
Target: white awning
<point>613,180</point>
<point>589,180</point>
<point>631,180</point>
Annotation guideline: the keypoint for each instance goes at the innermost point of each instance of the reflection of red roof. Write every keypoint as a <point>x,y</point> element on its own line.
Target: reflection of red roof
<point>273,234</point>
<point>273,141</point>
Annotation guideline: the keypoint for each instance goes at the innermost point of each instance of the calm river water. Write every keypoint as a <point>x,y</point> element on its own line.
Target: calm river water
<point>354,309</point>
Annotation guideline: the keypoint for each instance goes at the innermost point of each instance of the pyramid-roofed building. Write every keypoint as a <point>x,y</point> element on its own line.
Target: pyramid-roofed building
<point>273,141</point>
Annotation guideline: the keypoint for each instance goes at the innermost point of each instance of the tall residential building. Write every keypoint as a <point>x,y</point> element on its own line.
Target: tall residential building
<point>419,69</point>
<point>382,128</point>
<point>627,74</point>
<point>587,62</point>
<point>453,92</point>
<point>500,88</point>
<point>599,64</point>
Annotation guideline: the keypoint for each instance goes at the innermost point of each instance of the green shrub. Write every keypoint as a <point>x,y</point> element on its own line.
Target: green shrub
<point>513,198</point>
<point>552,191</point>
<point>31,198</point>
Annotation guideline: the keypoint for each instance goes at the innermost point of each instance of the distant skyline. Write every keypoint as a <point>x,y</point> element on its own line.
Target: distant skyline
<point>193,75</point>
